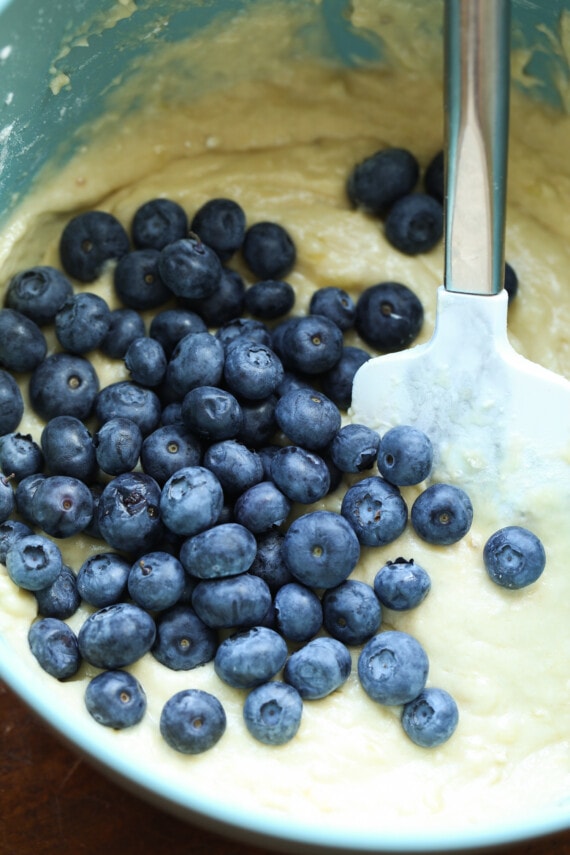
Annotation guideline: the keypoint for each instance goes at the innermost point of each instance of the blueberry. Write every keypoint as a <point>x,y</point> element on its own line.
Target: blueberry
<point>211,413</point>
<point>250,328</point>
<point>117,445</point>
<point>269,563</point>
<point>270,299</point>
<point>351,612</point>
<point>225,304</point>
<point>156,581</point>
<point>102,579</point>
<point>298,612</point>
<point>250,658</point>
<point>33,562</point>
<point>336,304</point>
<point>401,584</point>
<point>252,371</point>
<point>393,668</point>
<point>258,422</point>
<point>61,599</point>
<point>337,382</point>
<point>189,268</point>
<point>442,514</point>
<point>405,456</point>
<point>272,713</point>
<point>262,507</point>
<point>355,448</point>
<point>434,177</point>
<point>291,382</point>
<point>64,385</point>
<point>11,403</point>
<point>88,241</point>
<point>312,345</point>
<point>220,223</point>
<point>62,506</point>
<point>116,636</point>
<point>54,645</point>
<point>124,326</point>
<point>68,448</point>
<point>236,467</point>
<point>38,293</point>
<point>308,418</point>
<point>231,601</point>
<point>191,500</point>
<point>514,557</point>
<point>192,721</point>
<point>415,223</point>
<point>10,531</point>
<point>375,510</point>
<point>301,475</point>
<point>511,282</point>
<point>197,360</point>
<point>82,323</point>
<point>382,178</point>
<point>389,316</point>
<point>22,343</point>
<point>7,498</point>
<point>137,281</point>
<point>268,250</point>
<point>125,399</point>
<point>171,325</point>
<point>128,513</point>
<point>146,361</point>
<point>321,549</point>
<point>225,550</point>
<point>157,223</point>
<point>20,455</point>
<point>25,492</point>
<point>172,414</point>
<point>183,641</point>
<point>115,699</point>
<point>431,718</point>
<point>319,668</point>
<point>168,449</point>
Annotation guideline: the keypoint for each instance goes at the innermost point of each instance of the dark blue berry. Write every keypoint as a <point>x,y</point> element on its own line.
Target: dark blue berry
<point>191,500</point>
<point>124,326</point>
<point>11,403</point>
<point>20,455</point>
<point>414,223</point>
<point>511,282</point>
<point>117,445</point>
<point>232,601</point>
<point>171,325</point>
<point>337,382</point>
<point>434,177</point>
<point>321,549</point>
<point>270,299</point>
<point>442,514</point>
<point>262,507</point>
<point>10,531</point>
<point>7,498</point>
<point>168,449</point>
<point>355,448</point>
<point>431,718</point>
<point>127,400</point>
<point>225,304</point>
<point>301,475</point>
<point>115,699</point>
<point>183,641</point>
<point>401,584</point>
<point>128,513</point>
<point>25,493</point>
<point>405,456</point>
<point>38,293</point>
<point>192,721</point>
<point>389,316</point>
<point>319,668</point>
<point>137,280</point>
<point>312,345</point>
<point>54,645</point>
<point>236,467</point>
<point>308,418</point>
<point>252,371</point>
<point>146,361</point>
<point>268,250</point>
<point>82,323</point>
<point>62,506</point>
<point>63,385</point>
<point>88,241</point>
<point>68,448</point>
<point>375,510</point>
<point>156,581</point>
<point>61,599</point>
<point>250,658</point>
<point>190,269</point>
<point>335,304</point>
<point>382,178</point>
<point>102,579</point>
<point>514,557</point>
<point>258,422</point>
<point>33,562</point>
<point>393,668</point>
<point>269,563</point>
<point>224,550</point>
<point>272,713</point>
<point>351,612</point>
<point>298,612</point>
<point>249,328</point>
<point>157,223</point>
<point>22,343</point>
<point>211,413</point>
<point>220,223</point>
<point>116,636</point>
<point>197,360</point>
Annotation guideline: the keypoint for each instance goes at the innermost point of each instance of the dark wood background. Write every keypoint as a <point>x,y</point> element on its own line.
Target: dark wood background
<point>51,801</point>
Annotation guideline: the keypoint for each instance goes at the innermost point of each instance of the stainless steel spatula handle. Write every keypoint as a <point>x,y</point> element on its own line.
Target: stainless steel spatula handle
<point>477,54</point>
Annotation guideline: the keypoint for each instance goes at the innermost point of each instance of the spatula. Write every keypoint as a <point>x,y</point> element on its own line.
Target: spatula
<point>500,424</point>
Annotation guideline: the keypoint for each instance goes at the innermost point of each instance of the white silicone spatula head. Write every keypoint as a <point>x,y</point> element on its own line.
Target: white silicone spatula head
<point>500,424</point>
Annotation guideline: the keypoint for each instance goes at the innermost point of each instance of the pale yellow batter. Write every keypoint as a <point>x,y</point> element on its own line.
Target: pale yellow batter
<point>503,655</point>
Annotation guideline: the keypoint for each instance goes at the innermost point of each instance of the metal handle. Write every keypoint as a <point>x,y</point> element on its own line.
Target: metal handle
<point>477,66</point>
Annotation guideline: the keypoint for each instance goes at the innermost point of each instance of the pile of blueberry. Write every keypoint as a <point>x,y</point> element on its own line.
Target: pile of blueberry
<point>193,475</point>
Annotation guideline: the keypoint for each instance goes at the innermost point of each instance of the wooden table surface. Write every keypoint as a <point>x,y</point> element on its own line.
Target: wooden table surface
<point>51,801</point>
